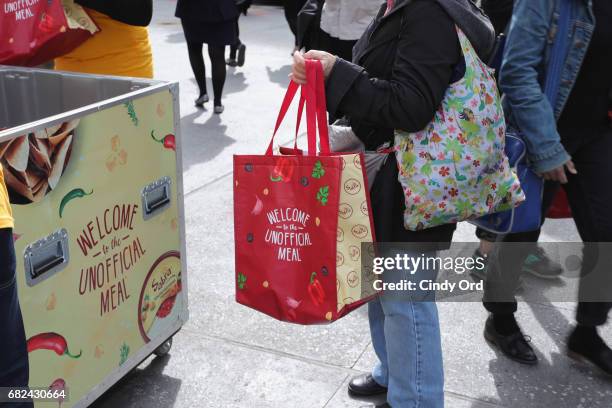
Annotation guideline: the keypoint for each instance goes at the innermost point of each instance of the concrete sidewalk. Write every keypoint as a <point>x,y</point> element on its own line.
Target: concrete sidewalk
<point>230,356</point>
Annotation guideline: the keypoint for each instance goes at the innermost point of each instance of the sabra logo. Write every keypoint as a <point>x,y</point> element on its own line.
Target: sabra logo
<point>345,211</point>
<point>352,279</point>
<point>364,208</point>
<point>354,253</point>
<point>357,161</point>
<point>339,259</point>
<point>352,186</point>
<point>288,231</point>
<point>340,234</point>
<point>359,231</point>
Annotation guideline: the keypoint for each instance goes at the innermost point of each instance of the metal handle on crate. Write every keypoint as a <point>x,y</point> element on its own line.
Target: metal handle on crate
<point>156,197</point>
<point>46,257</point>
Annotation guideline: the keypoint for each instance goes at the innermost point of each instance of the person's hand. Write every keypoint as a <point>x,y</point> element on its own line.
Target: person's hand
<point>558,174</point>
<point>298,71</point>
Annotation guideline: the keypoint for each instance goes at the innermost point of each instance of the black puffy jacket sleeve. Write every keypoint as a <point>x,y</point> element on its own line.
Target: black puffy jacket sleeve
<point>426,57</point>
<point>132,12</point>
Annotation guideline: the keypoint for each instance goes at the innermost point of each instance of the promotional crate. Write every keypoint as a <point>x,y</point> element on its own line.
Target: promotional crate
<point>93,169</point>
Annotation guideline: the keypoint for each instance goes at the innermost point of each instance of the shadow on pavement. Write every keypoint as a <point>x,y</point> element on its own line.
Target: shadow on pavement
<point>235,82</point>
<point>205,140</point>
<point>149,380</point>
<point>555,381</point>
<point>279,76</point>
<point>368,401</point>
<point>175,38</point>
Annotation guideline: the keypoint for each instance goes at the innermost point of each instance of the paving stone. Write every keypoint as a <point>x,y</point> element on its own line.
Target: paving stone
<point>210,373</point>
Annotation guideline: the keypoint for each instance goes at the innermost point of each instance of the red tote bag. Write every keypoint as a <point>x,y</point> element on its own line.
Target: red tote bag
<point>560,206</point>
<point>35,32</point>
<point>299,221</point>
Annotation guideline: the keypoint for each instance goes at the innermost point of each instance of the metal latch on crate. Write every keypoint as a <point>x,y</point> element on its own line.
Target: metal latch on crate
<point>156,197</point>
<point>46,257</point>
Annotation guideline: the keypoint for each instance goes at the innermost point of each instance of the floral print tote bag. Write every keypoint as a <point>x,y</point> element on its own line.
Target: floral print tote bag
<point>455,169</point>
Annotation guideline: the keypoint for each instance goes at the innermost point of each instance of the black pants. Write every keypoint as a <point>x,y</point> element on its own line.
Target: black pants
<point>590,196</point>
<point>336,46</point>
<point>14,366</point>
<point>234,47</point>
<point>292,8</point>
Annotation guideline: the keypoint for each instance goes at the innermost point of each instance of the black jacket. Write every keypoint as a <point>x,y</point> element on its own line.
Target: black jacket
<point>403,65</point>
<point>209,11</point>
<point>499,11</point>
<point>132,12</point>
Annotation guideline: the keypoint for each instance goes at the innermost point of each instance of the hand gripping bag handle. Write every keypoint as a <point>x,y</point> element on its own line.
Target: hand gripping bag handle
<point>313,96</point>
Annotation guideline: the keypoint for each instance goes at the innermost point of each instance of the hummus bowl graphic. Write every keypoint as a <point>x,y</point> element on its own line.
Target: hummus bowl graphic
<point>160,298</point>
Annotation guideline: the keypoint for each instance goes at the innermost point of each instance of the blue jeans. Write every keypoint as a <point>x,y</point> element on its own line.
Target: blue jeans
<point>406,338</point>
<point>14,370</point>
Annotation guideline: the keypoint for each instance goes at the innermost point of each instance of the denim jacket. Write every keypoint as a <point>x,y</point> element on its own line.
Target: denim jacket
<point>526,55</point>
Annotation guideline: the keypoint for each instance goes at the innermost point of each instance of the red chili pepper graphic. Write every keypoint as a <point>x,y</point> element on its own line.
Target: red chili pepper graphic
<point>46,23</point>
<point>58,385</point>
<point>283,170</point>
<point>50,341</point>
<point>169,141</point>
<point>315,290</point>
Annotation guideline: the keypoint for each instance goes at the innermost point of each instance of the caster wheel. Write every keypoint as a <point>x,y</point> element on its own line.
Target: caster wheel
<point>164,349</point>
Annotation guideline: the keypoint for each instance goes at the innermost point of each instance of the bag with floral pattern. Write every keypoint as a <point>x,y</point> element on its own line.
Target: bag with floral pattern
<point>456,169</point>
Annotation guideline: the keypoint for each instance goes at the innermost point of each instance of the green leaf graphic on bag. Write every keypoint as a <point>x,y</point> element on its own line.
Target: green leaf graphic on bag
<point>242,281</point>
<point>323,195</point>
<point>318,170</point>
<point>426,169</point>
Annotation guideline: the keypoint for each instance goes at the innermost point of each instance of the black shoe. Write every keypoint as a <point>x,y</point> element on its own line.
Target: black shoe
<point>241,55</point>
<point>540,265</point>
<point>231,62</point>
<point>591,349</point>
<point>515,346</point>
<point>365,385</point>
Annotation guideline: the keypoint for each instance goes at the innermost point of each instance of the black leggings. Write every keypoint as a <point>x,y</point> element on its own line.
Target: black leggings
<point>217,60</point>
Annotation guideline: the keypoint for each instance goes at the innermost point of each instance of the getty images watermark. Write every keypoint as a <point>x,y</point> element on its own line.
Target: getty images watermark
<point>418,273</point>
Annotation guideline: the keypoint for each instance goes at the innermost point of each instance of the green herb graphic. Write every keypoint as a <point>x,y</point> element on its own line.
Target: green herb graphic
<point>124,351</point>
<point>323,195</point>
<point>242,281</point>
<point>131,112</point>
<point>318,170</point>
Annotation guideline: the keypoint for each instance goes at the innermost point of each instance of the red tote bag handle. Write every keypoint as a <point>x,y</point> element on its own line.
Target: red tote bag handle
<point>313,97</point>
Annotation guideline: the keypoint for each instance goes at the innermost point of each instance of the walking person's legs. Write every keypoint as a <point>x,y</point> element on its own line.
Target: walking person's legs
<point>504,269</point>
<point>219,72</point>
<point>237,50</point>
<point>196,59</point>
<point>14,368</point>
<point>590,198</point>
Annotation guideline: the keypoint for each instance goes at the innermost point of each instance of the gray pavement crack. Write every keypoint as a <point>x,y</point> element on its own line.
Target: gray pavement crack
<point>255,347</point>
